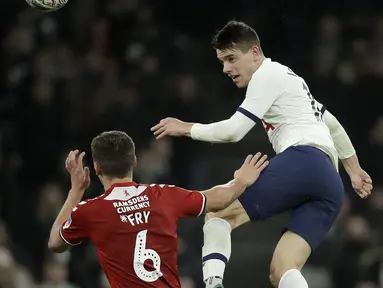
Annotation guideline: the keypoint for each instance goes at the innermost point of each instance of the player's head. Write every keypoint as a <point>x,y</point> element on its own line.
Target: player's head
<point>239,50</point>
<point>113,154</point>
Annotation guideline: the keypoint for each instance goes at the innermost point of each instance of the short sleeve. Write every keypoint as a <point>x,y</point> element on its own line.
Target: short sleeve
<point>74,231</point>
<point>186,202</point>
<point>262,91</point>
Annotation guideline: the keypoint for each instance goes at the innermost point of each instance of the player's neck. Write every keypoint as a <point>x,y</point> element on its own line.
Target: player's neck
<point>108,182</point>
<point>259,62</point>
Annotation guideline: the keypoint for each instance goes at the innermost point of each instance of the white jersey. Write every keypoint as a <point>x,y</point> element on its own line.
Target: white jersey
<point>289,113</point>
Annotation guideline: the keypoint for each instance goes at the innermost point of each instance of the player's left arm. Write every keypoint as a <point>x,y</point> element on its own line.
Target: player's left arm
<point>360,180</point>
<point>193,203</point>
<point>69,229</point>
<point>261,93</point>
<point>342,141</point>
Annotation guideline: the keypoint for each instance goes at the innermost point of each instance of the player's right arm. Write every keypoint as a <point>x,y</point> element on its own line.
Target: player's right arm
<point>75,229</point>
<point>220,197</point>
<point>360,180</point>
<point>194,203</point>
<point>263,89</point>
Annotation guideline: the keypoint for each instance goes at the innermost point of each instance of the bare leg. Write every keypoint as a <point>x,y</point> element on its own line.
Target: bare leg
<point>290,255</point>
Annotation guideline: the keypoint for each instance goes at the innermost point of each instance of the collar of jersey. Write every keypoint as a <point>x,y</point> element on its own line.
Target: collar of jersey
<point>122,184</point>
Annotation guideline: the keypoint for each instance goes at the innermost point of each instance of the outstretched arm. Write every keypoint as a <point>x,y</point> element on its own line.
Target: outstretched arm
<point>360,180</point>
<point>260,95</point>
<point>220,197</point>
<point>193,203</point>
<point>229,130</point>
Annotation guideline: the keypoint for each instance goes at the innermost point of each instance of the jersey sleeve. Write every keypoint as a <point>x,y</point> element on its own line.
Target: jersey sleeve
<point>74,231</point>
<point>186,202</point>
<point>262,91</point>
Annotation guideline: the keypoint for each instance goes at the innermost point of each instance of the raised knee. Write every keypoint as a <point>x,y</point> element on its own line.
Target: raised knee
<point>277,272</point>
<point>275,275</point>
<point>211,216</point>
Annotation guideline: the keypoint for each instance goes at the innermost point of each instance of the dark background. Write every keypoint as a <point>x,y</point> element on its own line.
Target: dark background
<point>125,64</point>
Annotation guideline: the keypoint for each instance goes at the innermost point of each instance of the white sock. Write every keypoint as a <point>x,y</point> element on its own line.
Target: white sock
<point>293,278</point>
<point>216,250</point>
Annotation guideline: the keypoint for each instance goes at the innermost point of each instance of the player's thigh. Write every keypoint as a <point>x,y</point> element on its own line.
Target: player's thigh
<point>292,252</point>
<point>313,220</point>
<point>291,179</point>
<point>235,214</point>
<point>275,191</point>
<point>305,231</point>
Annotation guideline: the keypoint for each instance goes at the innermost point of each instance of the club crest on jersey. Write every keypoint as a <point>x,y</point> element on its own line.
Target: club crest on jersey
<point>68,222</point>
<point>124,218</point>
<point>267,126</point>
<point>126,193</point>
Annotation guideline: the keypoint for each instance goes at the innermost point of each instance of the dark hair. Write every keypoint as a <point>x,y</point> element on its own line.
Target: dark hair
<point>114,151</point>
<point>236,34</point>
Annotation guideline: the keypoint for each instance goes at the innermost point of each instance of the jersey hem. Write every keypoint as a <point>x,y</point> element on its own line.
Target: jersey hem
<point>203,208</point>
<point>66,241</point>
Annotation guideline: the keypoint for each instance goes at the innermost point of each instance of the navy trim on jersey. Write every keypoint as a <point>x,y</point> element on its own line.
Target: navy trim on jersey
<point>248,114</point>
<point>217,256</point>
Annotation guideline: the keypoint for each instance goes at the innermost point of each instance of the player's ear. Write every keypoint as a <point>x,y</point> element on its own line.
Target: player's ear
<point>97,169</point>
<point>256,51</point>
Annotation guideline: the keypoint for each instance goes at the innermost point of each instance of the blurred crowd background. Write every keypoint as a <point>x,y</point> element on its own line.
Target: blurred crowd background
<point>125,64</point>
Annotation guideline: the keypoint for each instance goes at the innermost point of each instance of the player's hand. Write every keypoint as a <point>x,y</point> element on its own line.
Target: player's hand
<point>361,182</point>
<point>79,175</point>
<point>171,127</point>
<point>251,169</point>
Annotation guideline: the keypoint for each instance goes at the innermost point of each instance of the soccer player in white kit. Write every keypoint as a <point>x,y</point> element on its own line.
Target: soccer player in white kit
<point>303,177</point>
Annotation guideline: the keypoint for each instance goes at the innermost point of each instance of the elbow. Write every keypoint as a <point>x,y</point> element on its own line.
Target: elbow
<point>234,137</point>
<point>53,245</point>
<point>56,245</point>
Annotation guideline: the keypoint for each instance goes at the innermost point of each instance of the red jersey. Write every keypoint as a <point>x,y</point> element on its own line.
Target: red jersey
<point>134,229</point>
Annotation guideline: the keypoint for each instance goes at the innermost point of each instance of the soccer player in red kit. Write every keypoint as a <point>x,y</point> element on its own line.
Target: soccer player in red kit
<point>134,226</point>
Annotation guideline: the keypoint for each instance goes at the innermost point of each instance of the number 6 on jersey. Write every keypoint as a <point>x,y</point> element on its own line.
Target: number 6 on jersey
<point>141,254</point>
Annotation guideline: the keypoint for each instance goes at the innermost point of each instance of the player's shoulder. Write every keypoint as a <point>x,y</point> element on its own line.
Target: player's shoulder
<point>87,204</point>
<point>270,71</point>
<point>161,187</point>
<point>82,210</point>
<point>271,66</point>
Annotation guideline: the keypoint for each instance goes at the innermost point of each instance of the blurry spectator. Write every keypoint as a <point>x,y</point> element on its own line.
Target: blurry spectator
<point>125,64</point>
<point>56,276</point>
<point>11,274</point>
